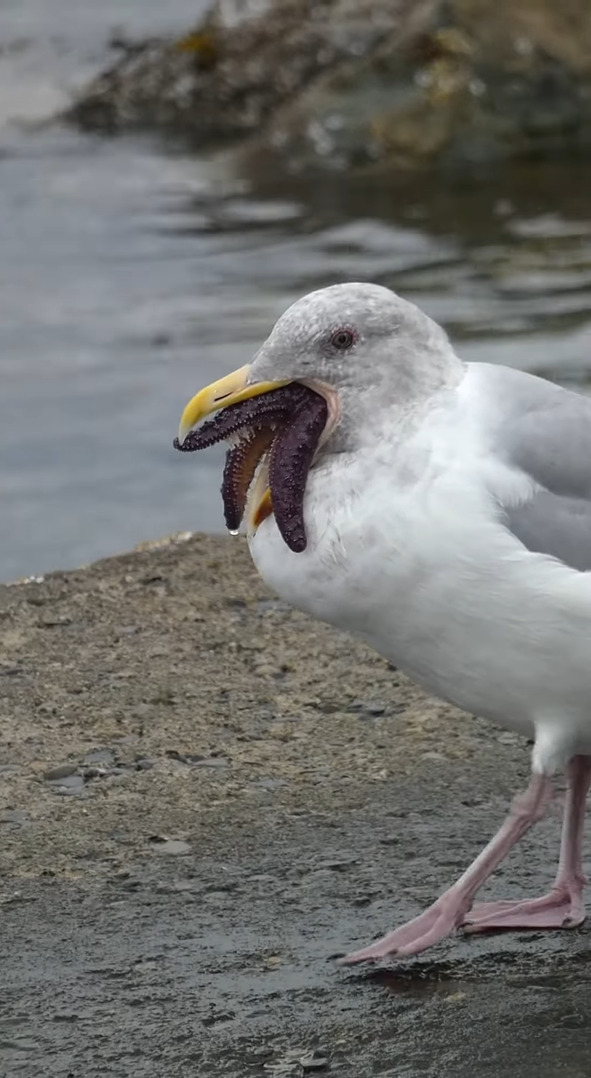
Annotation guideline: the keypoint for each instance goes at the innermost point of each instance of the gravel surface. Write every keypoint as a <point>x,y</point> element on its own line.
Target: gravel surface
<point>204,798</point>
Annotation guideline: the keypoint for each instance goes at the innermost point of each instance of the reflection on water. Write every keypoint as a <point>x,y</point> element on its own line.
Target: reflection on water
<point>131,275</point>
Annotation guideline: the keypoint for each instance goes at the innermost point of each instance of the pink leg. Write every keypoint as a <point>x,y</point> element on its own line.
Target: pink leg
<point>447,913</point>
<point>563,906</point>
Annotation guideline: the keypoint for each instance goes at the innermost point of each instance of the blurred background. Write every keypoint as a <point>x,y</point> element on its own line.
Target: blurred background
<point>140,260</point>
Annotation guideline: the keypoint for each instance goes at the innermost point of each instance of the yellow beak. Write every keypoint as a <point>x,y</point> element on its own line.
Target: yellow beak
<point>229,390</point>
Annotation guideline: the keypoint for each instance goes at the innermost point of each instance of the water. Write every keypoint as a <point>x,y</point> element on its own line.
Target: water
<point>132,273</point>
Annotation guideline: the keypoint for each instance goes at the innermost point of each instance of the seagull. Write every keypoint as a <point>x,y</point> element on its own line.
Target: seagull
<point>447,523</point>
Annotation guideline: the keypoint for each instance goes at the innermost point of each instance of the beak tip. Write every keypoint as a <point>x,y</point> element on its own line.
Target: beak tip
<point>229,390</point>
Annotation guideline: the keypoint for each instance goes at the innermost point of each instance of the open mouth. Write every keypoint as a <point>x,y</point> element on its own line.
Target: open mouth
<point>274,438</point>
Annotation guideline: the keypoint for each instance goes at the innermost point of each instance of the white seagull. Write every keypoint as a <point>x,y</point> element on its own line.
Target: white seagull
<point>448,520</point>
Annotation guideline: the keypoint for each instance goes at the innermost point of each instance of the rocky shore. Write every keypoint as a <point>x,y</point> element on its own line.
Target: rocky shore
<point>351,83</point>
<point>205,797</point>
<point>167,686</point>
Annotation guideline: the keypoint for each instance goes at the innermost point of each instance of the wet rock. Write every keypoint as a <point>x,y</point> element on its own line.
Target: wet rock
<point>345,84</point>
<point>223,79</point>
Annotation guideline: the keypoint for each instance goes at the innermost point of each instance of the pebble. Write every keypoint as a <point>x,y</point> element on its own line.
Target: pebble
<point>14,817</point>
<point>335,865</point>
<point>68,786</point>
<point>62,771</point>
<point>171,847</point>
<point>101,764</point>
<point>157,340</point>
<point>100,756</point>
<point>144,765</point>
<point>260,1052</point>
<point>142,711</point>
<point>314,1062</point>
<point>272,604</point>
<point>293,1064</point>
<point>247,644</point>
<point>367,707</point>
<point>194,759</point>
<point>267,670</point>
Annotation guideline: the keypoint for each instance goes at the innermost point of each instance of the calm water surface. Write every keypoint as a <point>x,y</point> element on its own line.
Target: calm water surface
<point>131,273</point>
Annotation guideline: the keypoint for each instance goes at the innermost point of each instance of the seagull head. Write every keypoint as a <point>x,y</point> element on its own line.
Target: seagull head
<point>369,354</point>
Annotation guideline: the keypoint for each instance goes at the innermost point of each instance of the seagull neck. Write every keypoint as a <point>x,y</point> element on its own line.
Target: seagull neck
<point>398,401</point>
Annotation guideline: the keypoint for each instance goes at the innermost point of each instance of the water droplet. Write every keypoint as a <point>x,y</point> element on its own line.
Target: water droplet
<point>234,531</point>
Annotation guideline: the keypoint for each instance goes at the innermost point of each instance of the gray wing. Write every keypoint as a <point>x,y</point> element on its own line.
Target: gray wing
<point>546,432</point>
<point>551,524</point>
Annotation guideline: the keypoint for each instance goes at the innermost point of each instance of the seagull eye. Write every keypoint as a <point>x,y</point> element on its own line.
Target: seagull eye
<point>343,338</point>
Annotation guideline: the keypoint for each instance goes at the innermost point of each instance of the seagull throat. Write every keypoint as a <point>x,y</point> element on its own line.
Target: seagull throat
<point>277,432</point>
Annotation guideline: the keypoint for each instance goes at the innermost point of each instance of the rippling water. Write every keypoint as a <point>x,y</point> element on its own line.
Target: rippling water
<point>132,273</point>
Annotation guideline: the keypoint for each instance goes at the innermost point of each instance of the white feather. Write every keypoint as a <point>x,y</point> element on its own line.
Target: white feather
<point>407,549</point>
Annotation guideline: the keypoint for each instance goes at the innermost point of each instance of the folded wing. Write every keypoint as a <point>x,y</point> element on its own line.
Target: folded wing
<point>545,431</point>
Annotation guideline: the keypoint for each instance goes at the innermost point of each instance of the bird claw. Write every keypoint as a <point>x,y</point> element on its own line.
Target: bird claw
<point>438,921</point>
